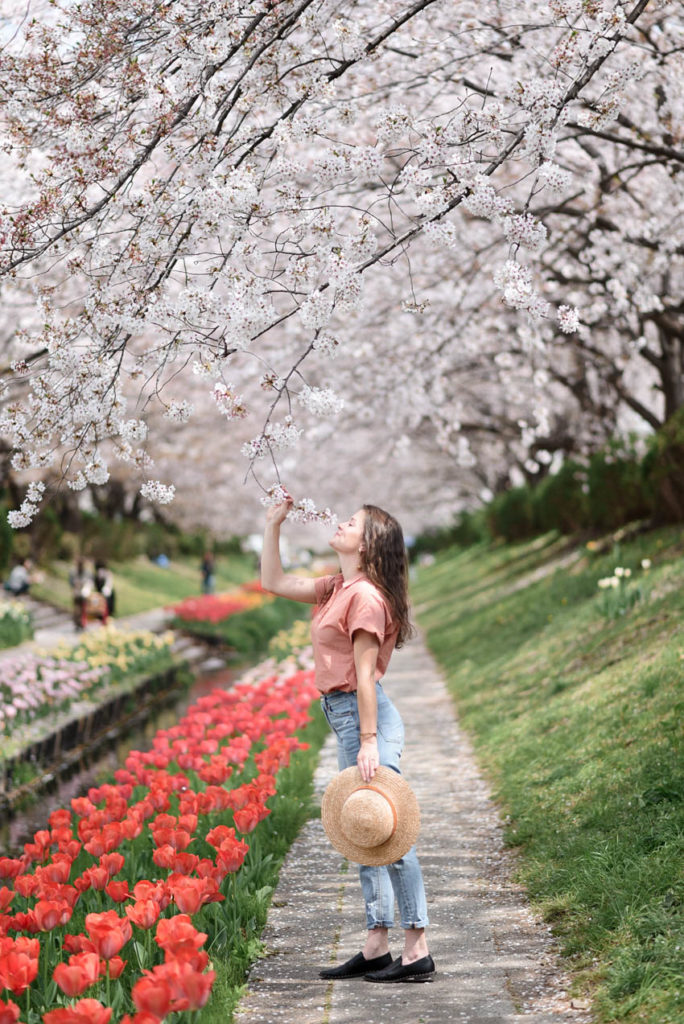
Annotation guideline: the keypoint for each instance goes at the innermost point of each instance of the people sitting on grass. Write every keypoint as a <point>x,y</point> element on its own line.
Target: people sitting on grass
<point>19,579</point>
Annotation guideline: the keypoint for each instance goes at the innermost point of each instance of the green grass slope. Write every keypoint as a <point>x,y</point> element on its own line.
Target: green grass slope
<point>574,697</point>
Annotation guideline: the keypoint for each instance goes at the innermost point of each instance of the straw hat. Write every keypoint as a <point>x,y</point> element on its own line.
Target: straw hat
<point>374,822</point>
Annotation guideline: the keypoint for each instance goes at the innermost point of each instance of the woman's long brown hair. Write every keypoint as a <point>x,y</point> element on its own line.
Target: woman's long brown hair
<point>385,563</point>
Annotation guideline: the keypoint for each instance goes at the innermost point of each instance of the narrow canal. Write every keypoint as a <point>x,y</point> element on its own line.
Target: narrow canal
<point>20,827</point>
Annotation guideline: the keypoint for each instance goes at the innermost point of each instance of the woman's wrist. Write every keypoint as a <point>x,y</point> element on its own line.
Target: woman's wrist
<point>369,735</point>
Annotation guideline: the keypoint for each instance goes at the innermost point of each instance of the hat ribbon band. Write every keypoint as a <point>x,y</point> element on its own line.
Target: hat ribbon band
<point>374,789</point>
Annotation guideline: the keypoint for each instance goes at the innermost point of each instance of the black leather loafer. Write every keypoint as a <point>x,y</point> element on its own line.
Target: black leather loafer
<point>419,970</point>
<point>357,967</point>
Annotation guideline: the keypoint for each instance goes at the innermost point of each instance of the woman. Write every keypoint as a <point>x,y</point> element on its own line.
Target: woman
<point>361,616</point>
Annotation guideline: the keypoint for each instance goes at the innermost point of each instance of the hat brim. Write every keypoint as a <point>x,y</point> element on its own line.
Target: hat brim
<point>405,803</point>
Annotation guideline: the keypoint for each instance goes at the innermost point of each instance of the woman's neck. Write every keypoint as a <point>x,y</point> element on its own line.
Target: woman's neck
<point>349,566</point>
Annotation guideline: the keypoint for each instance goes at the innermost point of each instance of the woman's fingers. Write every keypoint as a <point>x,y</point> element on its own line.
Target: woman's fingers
<point>277,513</point>
<point>367,765</point>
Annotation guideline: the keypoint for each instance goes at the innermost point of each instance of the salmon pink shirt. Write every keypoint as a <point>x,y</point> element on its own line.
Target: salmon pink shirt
<point>342,608</point>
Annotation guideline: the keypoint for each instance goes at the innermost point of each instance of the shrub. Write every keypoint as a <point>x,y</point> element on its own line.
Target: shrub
<point>15,624</point>
<point>560,502</point>
<point>6,539</point>
<point>663,470</point>
<point>511,514</point>
<point>617,494</point>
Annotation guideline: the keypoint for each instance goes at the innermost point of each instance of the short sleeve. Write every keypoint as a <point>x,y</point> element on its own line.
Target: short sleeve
<point>367,610</point>
<point>323,586</point>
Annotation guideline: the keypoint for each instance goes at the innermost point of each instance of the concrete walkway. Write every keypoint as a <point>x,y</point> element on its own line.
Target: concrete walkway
<point>495,961</point>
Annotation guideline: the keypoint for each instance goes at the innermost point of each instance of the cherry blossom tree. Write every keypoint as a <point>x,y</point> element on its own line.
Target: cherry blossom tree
<point>461,221</point>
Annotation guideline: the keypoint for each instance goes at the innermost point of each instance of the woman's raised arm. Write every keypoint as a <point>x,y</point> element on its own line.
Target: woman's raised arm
<point>273,577</point>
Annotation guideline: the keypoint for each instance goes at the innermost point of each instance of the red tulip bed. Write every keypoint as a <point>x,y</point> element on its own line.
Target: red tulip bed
<point>114,911</point>
<point>217,607</point>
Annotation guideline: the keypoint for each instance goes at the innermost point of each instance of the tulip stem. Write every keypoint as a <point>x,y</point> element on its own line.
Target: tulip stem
<point>46,955</point>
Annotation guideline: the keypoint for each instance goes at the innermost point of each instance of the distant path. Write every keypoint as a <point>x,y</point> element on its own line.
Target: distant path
<point>495,960</point>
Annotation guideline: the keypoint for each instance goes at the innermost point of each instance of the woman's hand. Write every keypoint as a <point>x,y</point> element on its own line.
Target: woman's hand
<point>277,513</point>
<point>368,759</point>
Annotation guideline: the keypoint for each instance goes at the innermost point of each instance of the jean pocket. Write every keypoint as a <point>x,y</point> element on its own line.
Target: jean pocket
<point>390,724</point>
<point>392,732</point>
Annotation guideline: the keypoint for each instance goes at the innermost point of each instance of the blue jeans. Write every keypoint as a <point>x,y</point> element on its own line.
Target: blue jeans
<point>404,878</point>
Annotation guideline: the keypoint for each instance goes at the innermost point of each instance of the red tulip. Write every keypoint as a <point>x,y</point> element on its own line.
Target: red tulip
<point>192,987</point>
<point>146,890</point>
<point>78,974</point>
<point>96,877</point>
<point>60,818</point>
<point>117,891</point>
<point>189,894</point>
<point>82,806</point>
<point>9,1012</point>
<point>107,839</point>
<point>184,863</point>
<point>10,867</point>
<point>144,913</point>
<point>230,855</point>
<point>26,885</point>
<point>163,856</point>
<point>86,1011</point>
<point>176,935</point>
<point>108,932</point>
<point>112,862</point>
<point>40,847</point>
<point>130,828</point>
<point>78,944</point>
<point>23,944</point>
<point>23,922</point>
<point>116,967</point>
<point>219,835</point>
<point>58,870</point>
<point>51,913</point>
<point>17,971</point>
<point>247,819</point>
<point>178,838</point>
<point>152,995</point>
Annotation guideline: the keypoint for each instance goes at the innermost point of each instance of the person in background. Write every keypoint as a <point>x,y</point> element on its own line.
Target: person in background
<point>82,584</point>
<point>208,570</point>
<point>19,579</point>
<point>104,584</point>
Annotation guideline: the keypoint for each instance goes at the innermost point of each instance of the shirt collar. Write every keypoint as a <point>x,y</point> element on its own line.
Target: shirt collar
<point>349,583</point>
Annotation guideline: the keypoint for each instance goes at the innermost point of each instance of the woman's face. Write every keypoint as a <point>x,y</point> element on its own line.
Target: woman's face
<point>348,537</point>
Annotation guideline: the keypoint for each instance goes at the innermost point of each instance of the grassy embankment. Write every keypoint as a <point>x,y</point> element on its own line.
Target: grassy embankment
<point>576,712</point>
<point>142,585</point>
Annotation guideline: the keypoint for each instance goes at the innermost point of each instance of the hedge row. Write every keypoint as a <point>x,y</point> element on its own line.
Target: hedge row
<point>614,487</point>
